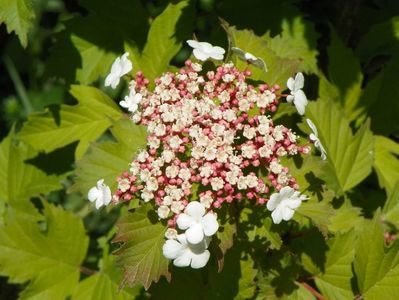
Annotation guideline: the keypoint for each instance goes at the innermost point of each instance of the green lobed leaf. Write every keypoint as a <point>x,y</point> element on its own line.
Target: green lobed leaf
<point>18,16</point>
<point>247,41</point>
<point>377,41</point>
<point>50,260</point>
<point>345,78</point>
<point>95,61</point>
<point>267,291</point>
<point>165,37</point>
<point>238,276</point>
<point>379,99</point>
<point>306,172</point>
<point>246,286</point>
<point>225,236</point>
<point>376,266</point>
<point>260,228</point>
<point>110,158</point>
<point>84,122</point>
<point>104,283</point>
<point>140,256</point>
<point>297,41</point>
<point>20,181</point>
<point>346,218</point>
<point>391,207</point>
<point>350,157</point>
<point>319,213</point>
<point>335,280</point>
<point>87,46</point>
<point>386,163</point>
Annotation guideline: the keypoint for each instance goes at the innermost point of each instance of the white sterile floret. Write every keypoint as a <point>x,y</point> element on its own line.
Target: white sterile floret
<point>250,58</point>
<point>121,66</point>
<point>185,254</point>
<point>204,51</point>
<point>131,101</point>
<point>297,95</point>
<point>196,223</point>
<point>284,203</point>
<point>101,194</point>
<point>314,137</point>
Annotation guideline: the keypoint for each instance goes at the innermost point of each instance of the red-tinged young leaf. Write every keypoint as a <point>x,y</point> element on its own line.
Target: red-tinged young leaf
<point>140,254</point>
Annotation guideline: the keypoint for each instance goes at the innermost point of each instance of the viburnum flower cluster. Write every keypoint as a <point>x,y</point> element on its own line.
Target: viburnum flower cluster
<point>211,141</point>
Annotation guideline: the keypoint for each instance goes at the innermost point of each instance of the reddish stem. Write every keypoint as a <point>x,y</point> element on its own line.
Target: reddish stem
<point>87,271</point>
<point>313,291</point>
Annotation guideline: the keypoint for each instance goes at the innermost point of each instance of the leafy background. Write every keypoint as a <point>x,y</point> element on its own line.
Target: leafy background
<point>60,129</point>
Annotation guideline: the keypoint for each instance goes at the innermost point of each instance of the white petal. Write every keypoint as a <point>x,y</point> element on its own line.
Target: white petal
<point>184,221</point>
<point>200,55</point>
<point>286,192</point>
<point>126,67</point>
<point>260,63</point>
<point>124,103</point>
<point>299,81</point>
<point>277,215</point>
<point>184,258</point>
<point>323,152</point>
<point>217,56</point>
<point>195,210</point>
<point>312,126</point>
<point>293,203</point>
<point>218,50</point>
<point>193,44</point>
<point>300,101</point>
<point>210,224</point>
<point>182,239</point>
<point>171,249</point>
<point>93,194</point>
<point>115,82</point>
<point>290,98</point>
<point>195,234</point>
<point>273,202</point>
<point>240,53</point>
<point>291,83</point>
<point>287,213</point>
<point>126,64</point>
<point>133,107</point>
<point>116,67</point>
<point>205,47</point>
<point>200,260</point>
<point>107,197</point>
<point>137,98</point>
<point>111,79</point>
<point>314,138</point>
<point>99,202</point>
<point>250,56</point>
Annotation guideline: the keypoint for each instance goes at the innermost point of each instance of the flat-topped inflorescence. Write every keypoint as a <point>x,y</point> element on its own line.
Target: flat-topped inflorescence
<point>210,141</point>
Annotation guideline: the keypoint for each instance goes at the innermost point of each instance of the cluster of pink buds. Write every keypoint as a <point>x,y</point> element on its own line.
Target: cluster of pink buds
<point>210,139</point>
